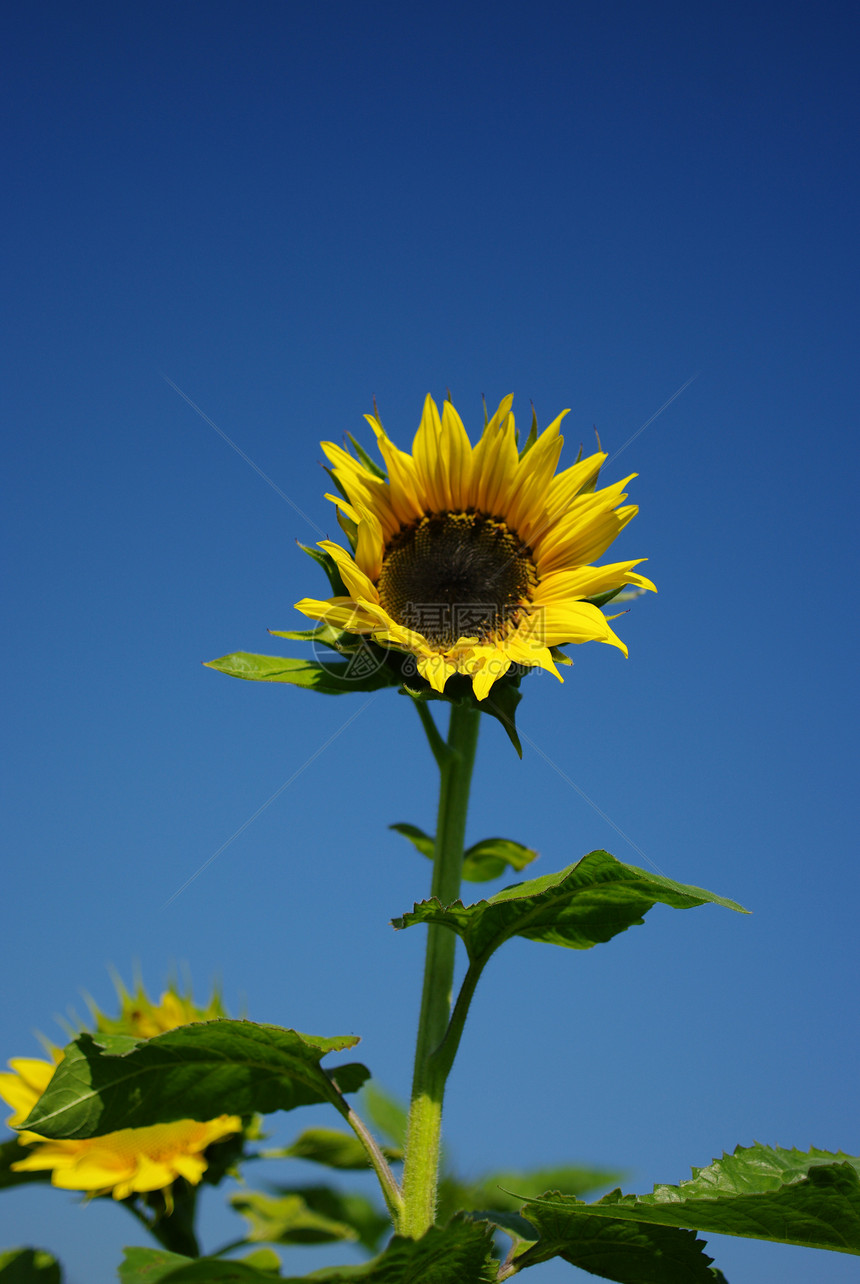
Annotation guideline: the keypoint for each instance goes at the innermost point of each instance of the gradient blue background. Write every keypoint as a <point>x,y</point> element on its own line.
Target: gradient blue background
<point>286,209</point>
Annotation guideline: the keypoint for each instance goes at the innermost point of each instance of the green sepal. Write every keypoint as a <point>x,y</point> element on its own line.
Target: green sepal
<point>29,1266</point>
<point>338,485</point>
<point>287,1219</point>
<point>482,861</point>
<point>809,1198</point>
<point>329,565</point>
<point>627,1252</point>
<point>12,1152</point>
<point>331,1148</point>
<point>370,464</point>
<point>583,905</point>
<point>533,435</point>
<point>348,526</point>
<point>500,704</point>
<point>323,633</point>
<point>224,1156</point>
<point>360,673</point>
<point>158,1266</point>
<point>196,1071</point>
<point>601,599</point>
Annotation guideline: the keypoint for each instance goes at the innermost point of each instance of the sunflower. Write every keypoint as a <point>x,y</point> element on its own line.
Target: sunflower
<point>474,558</point>
<point>131,1160</point>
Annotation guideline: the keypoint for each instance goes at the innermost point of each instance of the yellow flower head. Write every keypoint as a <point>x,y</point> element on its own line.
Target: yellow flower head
<point>474,558</point>
<point>132,1160</point>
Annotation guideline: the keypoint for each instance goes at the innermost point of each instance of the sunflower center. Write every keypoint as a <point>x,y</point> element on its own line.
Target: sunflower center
<point>455,575</point>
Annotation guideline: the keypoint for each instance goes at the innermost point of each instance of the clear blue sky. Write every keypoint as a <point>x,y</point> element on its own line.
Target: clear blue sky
<point>287,209</point>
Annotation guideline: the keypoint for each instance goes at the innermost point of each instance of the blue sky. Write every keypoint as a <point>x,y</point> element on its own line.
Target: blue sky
<point>284,211</point>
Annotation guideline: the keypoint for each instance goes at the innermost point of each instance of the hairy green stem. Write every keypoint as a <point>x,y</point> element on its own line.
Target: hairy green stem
<point>376,1158</point>
<point>379,1164</point>
<point>421,1164</point>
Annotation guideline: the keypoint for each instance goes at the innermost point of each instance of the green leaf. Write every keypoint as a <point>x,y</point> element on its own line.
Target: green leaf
<point>492,856</point>
<point>759,1192</point>
<point>263,1259</point>
<point>333,1149</point>
<point>10,1153</point>
<point>482,861</point>
<point>29,1266</point>
<point>287,1219</point>
<point>424,843</point>
<point>158,1266</point>
<point>385,1112</point>
<point>346,1208</point>
<point>493,1189</point>
<point>629,1252</point>
<point>196,1071</point>
<point>360,673</point>
<point>456,1254</point>
<point>584,905</point>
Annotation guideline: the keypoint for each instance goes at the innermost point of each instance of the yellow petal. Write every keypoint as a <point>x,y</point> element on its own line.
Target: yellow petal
<point>589,581</point>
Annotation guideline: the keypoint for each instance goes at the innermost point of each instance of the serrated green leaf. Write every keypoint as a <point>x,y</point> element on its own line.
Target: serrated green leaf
<point>337,678</point>
<point>628,1252</point>
<point>455,1254</point>
<point>29,1266</point>
<point>492,1190</point>
<point>584,905</point>
<point>158,1266</point>
<point>287,1219</point>
<point>333,1149</point>
<point>759,1192</point>
<point>482,861</point>
<point>195,1071</point>
<point>514,1226</point>
<point>347,1208</point>
<point>10,1153</point>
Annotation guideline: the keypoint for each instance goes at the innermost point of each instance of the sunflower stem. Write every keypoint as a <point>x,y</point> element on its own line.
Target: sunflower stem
<point>421,1164</point>
<point>437,744</point>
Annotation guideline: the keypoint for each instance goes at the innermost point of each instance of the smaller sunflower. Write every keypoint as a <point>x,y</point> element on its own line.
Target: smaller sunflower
<point>473,559</point>
<point>131,1160</point>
